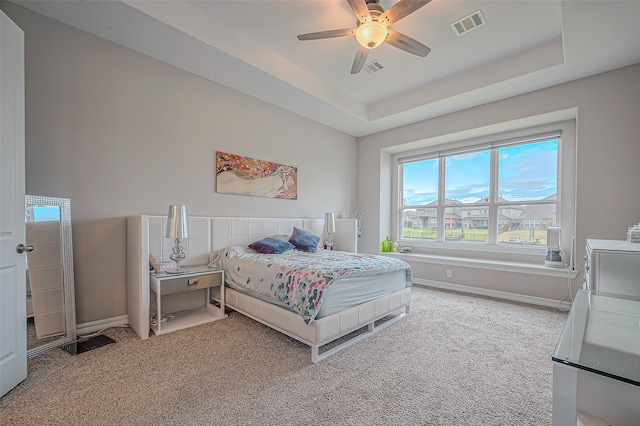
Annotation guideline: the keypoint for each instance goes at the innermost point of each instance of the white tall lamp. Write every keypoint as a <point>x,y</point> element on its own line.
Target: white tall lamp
<point>330,229</point>
<point>177,228</point>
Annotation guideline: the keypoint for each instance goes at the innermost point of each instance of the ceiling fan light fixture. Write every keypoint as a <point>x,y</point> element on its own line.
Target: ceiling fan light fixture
<point>371,34</point>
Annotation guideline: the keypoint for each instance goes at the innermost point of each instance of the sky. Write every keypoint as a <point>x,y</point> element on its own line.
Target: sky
<point>43,213</point>
<point>525,173</point>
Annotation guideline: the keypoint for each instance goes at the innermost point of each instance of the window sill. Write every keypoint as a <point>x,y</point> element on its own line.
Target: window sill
<point>471,250</point>
<point>494,265</point>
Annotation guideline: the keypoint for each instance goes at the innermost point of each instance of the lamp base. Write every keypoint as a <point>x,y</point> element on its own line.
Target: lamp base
<point>177,255</point>
<point>328,245</point>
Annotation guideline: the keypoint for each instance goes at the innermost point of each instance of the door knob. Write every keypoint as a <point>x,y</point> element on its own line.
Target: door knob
<point>24,249</point>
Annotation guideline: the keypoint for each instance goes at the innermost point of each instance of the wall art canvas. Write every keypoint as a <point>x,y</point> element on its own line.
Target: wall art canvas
<point>236,174</point>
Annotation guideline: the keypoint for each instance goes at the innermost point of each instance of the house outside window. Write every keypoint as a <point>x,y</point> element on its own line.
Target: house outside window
<point>504,193</point>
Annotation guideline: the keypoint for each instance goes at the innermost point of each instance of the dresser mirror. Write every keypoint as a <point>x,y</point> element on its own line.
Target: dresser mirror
<point>51,318</point>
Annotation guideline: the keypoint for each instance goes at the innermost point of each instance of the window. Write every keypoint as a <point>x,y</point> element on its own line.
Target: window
<point>503,193</point>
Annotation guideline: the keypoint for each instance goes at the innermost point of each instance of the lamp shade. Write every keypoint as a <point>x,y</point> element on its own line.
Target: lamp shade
<point>329,223</point>
<point>177,222</point>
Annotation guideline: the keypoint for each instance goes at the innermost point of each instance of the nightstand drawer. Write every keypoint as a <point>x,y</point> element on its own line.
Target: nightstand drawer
<point>183,284</point>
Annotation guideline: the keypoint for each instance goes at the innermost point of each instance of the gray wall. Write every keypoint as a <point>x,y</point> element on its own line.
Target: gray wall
<point>607,111</point>
<point>120,134</point>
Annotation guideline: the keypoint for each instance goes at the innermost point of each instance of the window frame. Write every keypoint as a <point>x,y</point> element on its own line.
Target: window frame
<point>565,204</point>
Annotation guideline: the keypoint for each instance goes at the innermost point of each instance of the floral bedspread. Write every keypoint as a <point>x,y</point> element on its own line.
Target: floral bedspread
<point>300,279</point>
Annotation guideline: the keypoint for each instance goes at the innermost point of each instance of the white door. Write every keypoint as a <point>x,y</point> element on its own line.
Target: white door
<point>13,324</point>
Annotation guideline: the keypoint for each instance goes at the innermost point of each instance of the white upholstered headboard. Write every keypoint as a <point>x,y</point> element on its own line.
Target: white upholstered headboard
<point>207,235</point>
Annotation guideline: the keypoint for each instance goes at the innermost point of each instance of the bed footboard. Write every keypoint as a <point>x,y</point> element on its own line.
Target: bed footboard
<point>326,329</point>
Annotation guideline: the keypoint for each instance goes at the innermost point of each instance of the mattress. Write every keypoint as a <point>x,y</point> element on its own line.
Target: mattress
<point>349,292</point>
<point>348,283</point>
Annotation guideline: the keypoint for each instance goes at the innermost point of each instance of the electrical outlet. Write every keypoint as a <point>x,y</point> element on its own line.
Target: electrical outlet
<point>449,273</point>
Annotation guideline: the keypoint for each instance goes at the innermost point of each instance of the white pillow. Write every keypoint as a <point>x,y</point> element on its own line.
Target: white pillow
<point>228,252</point>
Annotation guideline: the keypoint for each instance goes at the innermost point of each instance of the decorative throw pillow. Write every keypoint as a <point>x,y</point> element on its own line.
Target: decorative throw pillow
<point>271,245</point>
<point>304,240</point>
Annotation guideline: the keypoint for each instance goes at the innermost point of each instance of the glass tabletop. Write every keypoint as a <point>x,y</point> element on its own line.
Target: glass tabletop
<point>602,335</point>
<point>185,271</point>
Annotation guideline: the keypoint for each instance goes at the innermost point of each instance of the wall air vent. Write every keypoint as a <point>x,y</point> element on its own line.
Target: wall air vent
<point>468,23</point>
<point>372,67</point>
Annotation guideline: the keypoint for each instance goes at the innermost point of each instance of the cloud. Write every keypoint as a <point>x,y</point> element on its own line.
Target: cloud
<point>526,173</point>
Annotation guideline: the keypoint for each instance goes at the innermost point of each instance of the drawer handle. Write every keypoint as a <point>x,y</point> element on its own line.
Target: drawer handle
<point>193,282</point>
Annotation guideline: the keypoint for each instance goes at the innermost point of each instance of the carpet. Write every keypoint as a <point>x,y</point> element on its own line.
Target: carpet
<point>456,359</point>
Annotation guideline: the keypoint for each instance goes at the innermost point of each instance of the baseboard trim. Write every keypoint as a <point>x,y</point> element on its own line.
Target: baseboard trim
<point>532,300</point>
<point>94,326</point>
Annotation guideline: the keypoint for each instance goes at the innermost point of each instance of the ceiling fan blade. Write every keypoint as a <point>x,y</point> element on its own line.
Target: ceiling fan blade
<point>400,10</point>
<point>358,61</point>
<point>361,10</point>
<point>406,43</point>
<point>327,34</point>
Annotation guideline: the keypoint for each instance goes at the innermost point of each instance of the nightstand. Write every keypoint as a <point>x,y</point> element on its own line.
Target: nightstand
<point>185,300</point>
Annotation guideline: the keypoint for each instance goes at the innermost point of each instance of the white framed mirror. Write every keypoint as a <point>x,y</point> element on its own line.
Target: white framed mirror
<point>51,319</point>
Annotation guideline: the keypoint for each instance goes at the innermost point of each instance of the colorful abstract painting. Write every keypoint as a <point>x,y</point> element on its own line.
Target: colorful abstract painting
<point>236,174</point>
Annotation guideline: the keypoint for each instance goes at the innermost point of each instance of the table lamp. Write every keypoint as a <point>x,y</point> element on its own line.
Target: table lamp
<point>177,228</point>
<point>330,229</point>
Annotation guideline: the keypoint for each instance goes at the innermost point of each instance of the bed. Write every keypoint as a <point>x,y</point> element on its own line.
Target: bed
<point>354,307</point>
<point>318,297</point>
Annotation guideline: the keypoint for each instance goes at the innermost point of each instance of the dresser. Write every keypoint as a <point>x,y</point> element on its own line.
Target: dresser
<point>612,267</point>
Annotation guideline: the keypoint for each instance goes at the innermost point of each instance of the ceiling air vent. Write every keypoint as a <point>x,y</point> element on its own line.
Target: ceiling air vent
<point>468,23</point>
<point>372,67</point>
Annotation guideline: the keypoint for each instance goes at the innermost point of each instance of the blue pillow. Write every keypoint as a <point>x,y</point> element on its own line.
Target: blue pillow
<point>304,240</point>
<point>271,245</point>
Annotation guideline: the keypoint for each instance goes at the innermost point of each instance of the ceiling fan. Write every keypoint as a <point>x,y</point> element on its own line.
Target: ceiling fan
<point>372,29</point>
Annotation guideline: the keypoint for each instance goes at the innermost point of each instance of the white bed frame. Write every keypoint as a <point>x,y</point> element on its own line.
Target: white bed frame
<point>208,235</point>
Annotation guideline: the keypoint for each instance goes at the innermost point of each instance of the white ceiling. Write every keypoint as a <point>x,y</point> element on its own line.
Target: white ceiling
<point>251,46</point>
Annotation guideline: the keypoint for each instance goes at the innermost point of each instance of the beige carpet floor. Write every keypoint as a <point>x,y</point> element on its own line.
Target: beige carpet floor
<point>455,360</point>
